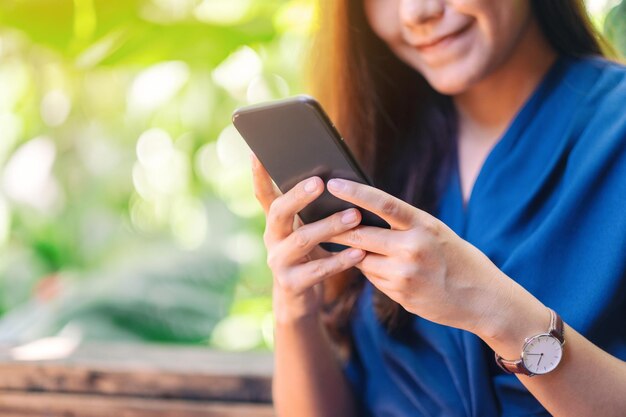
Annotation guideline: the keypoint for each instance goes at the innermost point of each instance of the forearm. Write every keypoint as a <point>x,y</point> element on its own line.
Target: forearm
<point>308,380</point>
<point>588,381</point>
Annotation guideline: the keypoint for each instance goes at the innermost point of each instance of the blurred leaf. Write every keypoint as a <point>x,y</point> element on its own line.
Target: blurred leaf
<point>176,297</point>
<point>47,22</point>
<point>132,40</point>
<point>194,43</point>
<point>615,27</point>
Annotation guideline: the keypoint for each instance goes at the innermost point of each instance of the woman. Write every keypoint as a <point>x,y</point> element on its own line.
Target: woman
<point>496,135</point>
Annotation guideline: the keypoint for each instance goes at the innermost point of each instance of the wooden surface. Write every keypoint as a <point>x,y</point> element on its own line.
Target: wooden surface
<point>137,380</point>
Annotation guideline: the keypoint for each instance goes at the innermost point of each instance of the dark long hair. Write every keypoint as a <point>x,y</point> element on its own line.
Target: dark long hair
<point>400,129</point>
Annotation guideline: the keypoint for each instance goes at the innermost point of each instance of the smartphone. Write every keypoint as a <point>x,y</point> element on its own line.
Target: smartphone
<point>294,139</point>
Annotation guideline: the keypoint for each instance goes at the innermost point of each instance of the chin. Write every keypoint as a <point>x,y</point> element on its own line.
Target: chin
<point>450,86</point>
<point>450,83</point>
<point>454,77</point>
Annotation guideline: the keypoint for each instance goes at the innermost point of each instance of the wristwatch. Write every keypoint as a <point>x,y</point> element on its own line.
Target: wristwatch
<point>541,353</point>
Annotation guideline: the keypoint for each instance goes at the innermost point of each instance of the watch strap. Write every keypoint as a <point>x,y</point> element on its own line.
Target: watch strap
<point>512,367</point>
<point>556,326</point>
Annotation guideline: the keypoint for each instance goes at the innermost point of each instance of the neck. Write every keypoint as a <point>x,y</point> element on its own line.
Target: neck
<point>490,105</point>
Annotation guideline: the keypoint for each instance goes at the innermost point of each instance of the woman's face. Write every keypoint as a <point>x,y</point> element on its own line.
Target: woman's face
<point>452,43</point>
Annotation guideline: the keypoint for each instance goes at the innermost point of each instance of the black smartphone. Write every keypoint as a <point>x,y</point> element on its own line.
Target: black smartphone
<point>294,139</point>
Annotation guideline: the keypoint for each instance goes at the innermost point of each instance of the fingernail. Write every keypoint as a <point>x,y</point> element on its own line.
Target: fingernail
<point>348,217</point>
<point>253,161</point>
<point>336,185</point>
<point>355,253</point>
<point>311,185</point>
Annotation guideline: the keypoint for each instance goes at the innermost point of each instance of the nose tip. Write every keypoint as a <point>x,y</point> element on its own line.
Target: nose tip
<point>421,11</point>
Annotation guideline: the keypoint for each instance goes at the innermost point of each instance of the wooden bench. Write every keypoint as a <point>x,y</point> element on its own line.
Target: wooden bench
<point>123,380</point>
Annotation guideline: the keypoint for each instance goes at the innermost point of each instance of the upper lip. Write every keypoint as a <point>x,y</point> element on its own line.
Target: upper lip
<point>434,41</point>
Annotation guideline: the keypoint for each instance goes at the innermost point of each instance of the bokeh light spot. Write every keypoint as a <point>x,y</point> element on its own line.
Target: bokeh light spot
<point>156,85</point>
<point>55,108</point>
<point>222,12</point>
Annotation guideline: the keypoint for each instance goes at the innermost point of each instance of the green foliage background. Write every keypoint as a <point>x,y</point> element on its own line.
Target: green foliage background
<point>126,210</point>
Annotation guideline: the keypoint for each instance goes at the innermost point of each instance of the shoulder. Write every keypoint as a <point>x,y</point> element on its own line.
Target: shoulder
<point>600,116</point>
<point>597,138</point>
<point>608,70</point>
<point>586,97</point>
<point>598,83</point>
<point>601,83</point>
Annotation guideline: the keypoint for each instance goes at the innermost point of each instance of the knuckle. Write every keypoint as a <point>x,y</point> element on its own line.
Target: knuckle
<point>347,261</point>
<point>389,206</point>
<point>408,273</point>
<point>272,260</point>
<point>287,284</point>
<point>402,281</point>
<point>344,260</point>
<point>300,192</point>
<point>277,214</point>
<point>301,238</point>
<point>432,226</point>
<point>355,237</point>
<point>336,225</point>
<point>274,213</point>
<point>400,274</point>
<point>388,246</point>
<point>319,270</point>
<point>411,249</point>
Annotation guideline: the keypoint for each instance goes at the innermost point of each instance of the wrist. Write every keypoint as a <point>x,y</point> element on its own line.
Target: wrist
<point>513,315</point>
<point>294,309</point>
<point>287,318</point>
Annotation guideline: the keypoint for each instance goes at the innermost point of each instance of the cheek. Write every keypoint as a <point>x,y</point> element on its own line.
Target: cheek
<point>502,25</point>
<point>382,16</point>
<point>497,28</point>
<point>458,71</point>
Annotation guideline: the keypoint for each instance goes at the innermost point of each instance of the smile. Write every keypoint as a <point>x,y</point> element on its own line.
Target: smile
<point>443,40</point>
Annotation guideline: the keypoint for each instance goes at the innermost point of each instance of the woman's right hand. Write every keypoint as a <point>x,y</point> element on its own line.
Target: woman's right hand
<point>297,261</point>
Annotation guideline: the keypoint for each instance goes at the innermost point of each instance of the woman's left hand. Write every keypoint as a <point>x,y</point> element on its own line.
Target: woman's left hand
<point>422,264</point>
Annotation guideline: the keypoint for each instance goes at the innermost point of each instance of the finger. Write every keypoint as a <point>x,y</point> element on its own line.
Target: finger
<point>387,274</point>
<point>380,267</point>
<point>311,273</point>
<point>264,189</point>
<point>280,216</point>
<point>303,240</point>
<point>374,268</point>
<point>399,214</point>
<point>369,238</point>
<point>317,253</point>
<point>384,285</point>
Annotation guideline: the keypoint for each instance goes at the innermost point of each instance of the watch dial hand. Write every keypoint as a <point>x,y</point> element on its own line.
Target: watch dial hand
<point>541,357</point>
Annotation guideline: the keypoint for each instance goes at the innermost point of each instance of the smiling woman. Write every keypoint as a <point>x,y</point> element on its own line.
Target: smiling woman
<point>495,134</point>
<point>453,47</point>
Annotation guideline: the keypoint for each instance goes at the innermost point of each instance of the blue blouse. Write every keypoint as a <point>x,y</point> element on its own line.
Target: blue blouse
<point>549,209</point>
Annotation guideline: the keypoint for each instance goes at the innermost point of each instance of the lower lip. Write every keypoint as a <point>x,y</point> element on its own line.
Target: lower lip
<point>445,42</point>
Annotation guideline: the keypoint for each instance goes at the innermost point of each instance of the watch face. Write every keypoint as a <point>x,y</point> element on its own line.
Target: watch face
<point>542,354</point>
